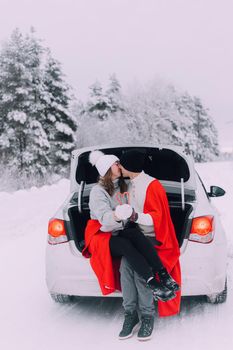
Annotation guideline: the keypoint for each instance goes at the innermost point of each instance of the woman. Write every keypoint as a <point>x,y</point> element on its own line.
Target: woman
<point>107,236</point>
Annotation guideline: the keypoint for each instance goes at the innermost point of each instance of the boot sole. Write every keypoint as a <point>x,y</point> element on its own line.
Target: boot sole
<point>135,329</point>
<point>156,298</point>
<point>144,338</point>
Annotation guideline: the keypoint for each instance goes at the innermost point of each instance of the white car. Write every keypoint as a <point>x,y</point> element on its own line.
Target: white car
<point>198,228</point>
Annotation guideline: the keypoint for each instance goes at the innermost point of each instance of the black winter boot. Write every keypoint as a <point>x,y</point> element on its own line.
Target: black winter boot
<point>129,325</point>
<point>167,280</point>
<point>160,292</point>
<point>146,329</point>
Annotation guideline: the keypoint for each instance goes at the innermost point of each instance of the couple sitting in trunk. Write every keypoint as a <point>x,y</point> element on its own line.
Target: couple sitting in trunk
<point>133,222</point>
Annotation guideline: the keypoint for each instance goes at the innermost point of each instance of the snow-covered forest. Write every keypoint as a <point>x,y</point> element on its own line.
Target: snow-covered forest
<point>42,121</point>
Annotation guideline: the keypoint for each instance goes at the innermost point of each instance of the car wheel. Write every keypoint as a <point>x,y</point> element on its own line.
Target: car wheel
<point>62,298</point>
<point>218,298</point>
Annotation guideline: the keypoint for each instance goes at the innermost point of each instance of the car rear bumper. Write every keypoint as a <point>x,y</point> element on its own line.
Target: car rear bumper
<point>69,273</point>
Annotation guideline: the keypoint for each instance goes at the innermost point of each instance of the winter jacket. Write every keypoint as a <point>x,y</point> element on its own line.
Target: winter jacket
<point>102,207</point>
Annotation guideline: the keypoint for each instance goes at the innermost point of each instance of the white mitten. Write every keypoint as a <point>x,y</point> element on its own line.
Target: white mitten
<point>123,212</point>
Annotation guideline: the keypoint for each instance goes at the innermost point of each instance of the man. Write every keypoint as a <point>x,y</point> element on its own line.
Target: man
<point>151,212</point>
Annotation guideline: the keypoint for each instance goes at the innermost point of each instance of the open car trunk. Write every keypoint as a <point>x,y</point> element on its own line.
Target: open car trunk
<point>179,217</point>
<point>169,165</point>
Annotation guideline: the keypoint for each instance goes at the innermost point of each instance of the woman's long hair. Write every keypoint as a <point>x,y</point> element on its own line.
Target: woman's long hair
<point>108,185</point>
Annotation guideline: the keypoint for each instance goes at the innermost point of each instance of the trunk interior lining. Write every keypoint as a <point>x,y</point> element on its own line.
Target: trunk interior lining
<point>79,220</point>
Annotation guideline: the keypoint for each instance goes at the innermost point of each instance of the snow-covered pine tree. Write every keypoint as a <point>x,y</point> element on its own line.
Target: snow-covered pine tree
<point>158,113</point>
<point>207,137</point>
<point>186,109</point>
<point>98,104</point>
<point>138,114</point>
<point>151,114</point>
<point>101,119</point>
<point>113,94</point>
<point>23,142</point>
<point>199,133</point>
<point>36,127</point>
<point>58,123</point>
<point>168,120</point>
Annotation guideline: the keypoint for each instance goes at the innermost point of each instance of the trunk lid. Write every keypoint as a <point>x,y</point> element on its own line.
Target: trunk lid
<point>169,164</point>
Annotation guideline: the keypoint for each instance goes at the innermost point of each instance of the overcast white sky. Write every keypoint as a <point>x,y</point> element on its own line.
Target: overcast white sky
<point>187,42</point>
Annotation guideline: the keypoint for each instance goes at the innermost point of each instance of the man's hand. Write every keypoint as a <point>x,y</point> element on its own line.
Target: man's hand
<point>134,216</point>
<point>123,212</point>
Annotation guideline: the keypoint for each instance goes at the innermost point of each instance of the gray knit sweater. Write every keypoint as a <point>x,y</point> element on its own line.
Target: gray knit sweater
<point>102,207</point>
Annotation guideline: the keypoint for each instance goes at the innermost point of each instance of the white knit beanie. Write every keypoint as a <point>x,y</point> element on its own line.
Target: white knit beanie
<point>102,161</point>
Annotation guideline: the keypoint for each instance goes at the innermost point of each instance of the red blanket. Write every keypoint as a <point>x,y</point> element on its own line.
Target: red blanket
<point>97,249</point>
<point>156,204</point>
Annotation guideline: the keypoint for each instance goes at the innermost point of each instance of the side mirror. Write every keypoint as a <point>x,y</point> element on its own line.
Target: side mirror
<point>216,191</point>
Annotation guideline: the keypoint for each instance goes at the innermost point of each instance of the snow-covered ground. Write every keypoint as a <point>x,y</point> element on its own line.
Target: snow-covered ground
<point>30,320</point>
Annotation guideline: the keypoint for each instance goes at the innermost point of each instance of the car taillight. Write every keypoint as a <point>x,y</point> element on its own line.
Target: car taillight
<point>57,232</point>
<point>202,230</point>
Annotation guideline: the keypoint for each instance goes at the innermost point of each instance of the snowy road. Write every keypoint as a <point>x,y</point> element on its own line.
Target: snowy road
<point>30,320</point>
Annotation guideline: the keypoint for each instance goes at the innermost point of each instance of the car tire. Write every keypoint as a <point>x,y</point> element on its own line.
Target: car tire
<point>62,298</point>
<point>218,298</point>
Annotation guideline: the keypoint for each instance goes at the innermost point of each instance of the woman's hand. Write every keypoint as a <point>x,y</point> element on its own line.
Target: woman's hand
<point>123,212</point>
